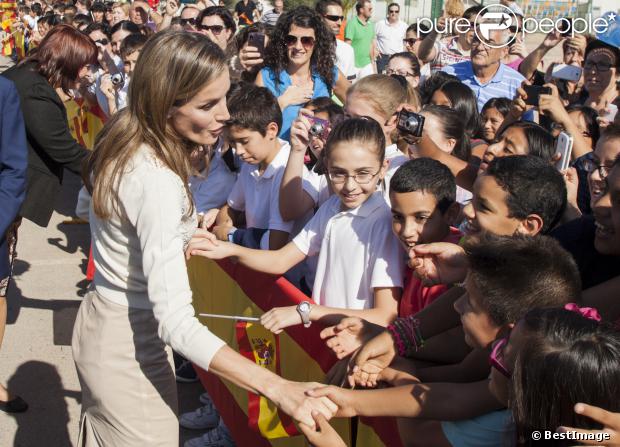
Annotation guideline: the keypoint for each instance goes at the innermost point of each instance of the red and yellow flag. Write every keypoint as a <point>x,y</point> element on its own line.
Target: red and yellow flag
<point>296,354</point>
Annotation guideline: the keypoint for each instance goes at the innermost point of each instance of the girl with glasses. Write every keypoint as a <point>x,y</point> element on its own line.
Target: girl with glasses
<point>299,64</point>
<point>360,265</point>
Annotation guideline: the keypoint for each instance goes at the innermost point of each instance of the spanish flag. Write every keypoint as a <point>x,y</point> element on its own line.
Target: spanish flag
<point>85,121</point>
<point>262,347</point>
<point>296,354</point>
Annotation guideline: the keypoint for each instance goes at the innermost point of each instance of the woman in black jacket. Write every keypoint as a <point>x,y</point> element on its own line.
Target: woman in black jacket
<point>57,65</point>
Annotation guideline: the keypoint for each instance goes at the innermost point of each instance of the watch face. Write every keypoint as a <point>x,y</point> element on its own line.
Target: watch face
<point>304,307</point>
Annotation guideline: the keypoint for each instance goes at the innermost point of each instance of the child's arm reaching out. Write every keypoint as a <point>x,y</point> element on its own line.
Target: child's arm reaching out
<point>384,312</point>
<point>274,262</point>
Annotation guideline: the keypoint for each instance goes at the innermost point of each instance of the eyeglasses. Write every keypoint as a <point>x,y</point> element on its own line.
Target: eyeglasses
<point>393,11</point>
<point>590,166</point>
<point>601,67</point>
<point>103,41</point>
<point>191,21</point>
<point>306,41</point>
<point>361,179</point>
<point>334,18</point>
<point>215,29</point>
<point>497,356</point>
<point>409,42</point>
<point>391,72</point>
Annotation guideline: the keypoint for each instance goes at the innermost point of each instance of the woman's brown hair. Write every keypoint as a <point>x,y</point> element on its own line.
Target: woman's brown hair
<point>61,54</point>
<point>172,68</point>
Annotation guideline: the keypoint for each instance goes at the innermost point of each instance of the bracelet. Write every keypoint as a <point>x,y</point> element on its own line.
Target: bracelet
<point>407,335</point>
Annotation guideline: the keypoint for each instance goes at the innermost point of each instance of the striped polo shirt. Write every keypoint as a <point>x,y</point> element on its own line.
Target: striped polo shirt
<point>503,85</point>
<point>270,17</point>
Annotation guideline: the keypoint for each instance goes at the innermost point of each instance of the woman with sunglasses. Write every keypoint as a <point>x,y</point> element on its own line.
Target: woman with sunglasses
<point>217,24</point>
<point>601,72</point>
<point>299,64</point>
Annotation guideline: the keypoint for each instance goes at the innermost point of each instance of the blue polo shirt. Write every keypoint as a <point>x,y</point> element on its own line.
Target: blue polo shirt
<point>503,85</point>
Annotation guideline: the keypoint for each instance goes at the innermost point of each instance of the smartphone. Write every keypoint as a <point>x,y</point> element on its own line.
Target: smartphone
<point>533,92</point>
<point>565,26</point>
<point>566,72</point>
<point>257,40</point>
<point>563,146</point>
<point>610,114</point>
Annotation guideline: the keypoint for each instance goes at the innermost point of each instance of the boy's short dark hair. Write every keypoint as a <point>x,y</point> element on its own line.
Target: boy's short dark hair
<point>533,186</point>
<point>131,44</point>
<point>428,175</point>
<point>94,26</point>
<point>515,274</point>
<point>252,107</point>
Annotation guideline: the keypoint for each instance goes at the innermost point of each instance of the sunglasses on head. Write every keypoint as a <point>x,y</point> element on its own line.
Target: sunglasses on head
<point>215,29</point>
<point>103,41</point>
<point>334,18</point>
<point>191,21</point>
<point>306,41</point>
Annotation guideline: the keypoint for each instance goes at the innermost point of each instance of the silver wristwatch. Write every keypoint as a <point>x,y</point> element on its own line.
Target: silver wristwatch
<point>303,309</point>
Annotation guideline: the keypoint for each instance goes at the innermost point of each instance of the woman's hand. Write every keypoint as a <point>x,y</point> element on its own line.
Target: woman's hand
<point>171,8</point>
<point>519,107</point>
<point>552,106</point>
<point>438,263</point>
<point>279,318</point>
<point>107,87</point>
<point>294,399</point>
<point>295,95</point>
<point>250,57</point>
<point>348,335</point>
<point>300,136</point>
<point>609,420</point>
<point>325,436</point>
<point>518,49</point>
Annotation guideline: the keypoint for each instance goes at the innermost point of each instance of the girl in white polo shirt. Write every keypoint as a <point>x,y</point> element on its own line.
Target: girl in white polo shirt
<point>360,268</point>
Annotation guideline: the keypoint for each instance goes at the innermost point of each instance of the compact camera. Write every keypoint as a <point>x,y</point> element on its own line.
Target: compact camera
<point>320,128</point>
<point>117,78</point>
<point>410,122</point>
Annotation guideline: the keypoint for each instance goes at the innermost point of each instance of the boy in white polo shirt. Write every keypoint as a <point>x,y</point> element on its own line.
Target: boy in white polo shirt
<point>255,120</point>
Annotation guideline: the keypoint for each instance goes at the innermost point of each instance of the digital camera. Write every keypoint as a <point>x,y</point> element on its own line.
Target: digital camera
<point>117,78</point>
<point>410,122</point>
<point>320,128</point>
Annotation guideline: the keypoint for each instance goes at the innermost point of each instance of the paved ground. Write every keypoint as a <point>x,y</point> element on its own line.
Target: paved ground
<point>35,360</point>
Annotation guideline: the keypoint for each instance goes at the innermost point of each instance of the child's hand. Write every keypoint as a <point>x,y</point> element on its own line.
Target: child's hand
<point>209,249</point>
<point>206,220</point>
<point>344,399</point>
<point>300,137</point>
<point>107,87</point>
<point>325,436</point>
<point>279,318</point>
<point>609,420</point>
<point>438,263</point>
<point>371,360</point>
<point>519,107</point>
<point>348,335</point>
<point>571,180</point>
<point>221,231</point>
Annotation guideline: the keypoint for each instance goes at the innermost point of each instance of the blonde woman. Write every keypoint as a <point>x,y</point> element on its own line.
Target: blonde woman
<point>142,219</point>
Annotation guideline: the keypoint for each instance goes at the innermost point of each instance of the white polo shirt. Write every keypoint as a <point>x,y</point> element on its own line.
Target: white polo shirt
<point>258,195</point>
<point>357,252</point>
<point>345,60</point>
<point>319,190</point>
<point>396,159</point>
<point>390,37</point>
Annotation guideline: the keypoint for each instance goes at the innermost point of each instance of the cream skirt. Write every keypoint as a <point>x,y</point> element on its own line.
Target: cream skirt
<point>129,395</point>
